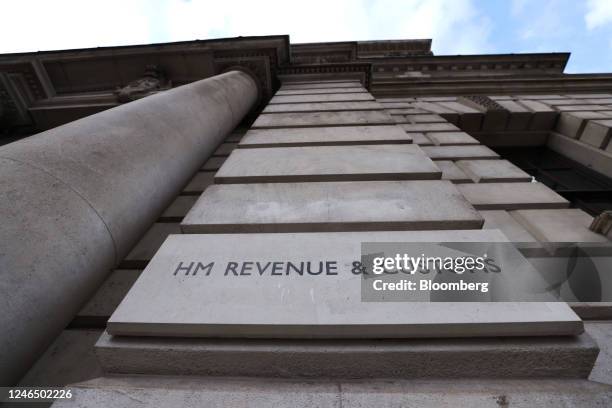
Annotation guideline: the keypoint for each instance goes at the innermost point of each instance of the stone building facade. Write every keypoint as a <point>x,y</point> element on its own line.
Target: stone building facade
<point>152,164</point>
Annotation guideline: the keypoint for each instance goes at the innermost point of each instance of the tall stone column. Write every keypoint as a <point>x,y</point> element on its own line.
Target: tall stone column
<point>75,199</point>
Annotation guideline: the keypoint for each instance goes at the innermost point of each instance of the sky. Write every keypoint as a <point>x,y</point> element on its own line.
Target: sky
<point>582,27</point>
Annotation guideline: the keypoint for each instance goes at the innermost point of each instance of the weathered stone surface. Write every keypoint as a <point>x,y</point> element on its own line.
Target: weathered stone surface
<point>451,172</point>
<point>179,208</point>
<point>567,357</point>
<point>503,221</point>
<point>320,136</point>
<point>110,294</point>
<point>218,303</point>
<point>144,250</point>
<point>322,107</point>
<point>572,123</point>
<point>511,196</point>
<point>309,119</point>
<point>320,91</point>
<point>459,152</point>
<point>564,225</point>
<point>345,206</point>
<point>327,163</point>
<point>491,171</point>
<point>451,138</point>
<point>199,182</point>
<point>597,133</point>
<point>341,97</point>
<point>69,359</point>
<point>171,392</point>
<point>430,127</point>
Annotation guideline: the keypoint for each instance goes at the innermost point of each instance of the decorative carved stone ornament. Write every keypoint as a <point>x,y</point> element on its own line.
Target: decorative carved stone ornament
<point>153,80</point>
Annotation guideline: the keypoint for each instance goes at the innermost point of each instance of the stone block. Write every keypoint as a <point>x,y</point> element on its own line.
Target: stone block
<point>397,105</point>
<point>399,119</point>
<point>543,117</point>
<point>178,209</point>
<point>110,294</point>
<point>322,207</point>
<point>519,116</point>
<point>322,107</point>
<point>420,139</point>
<point>144,250</point>
<point>320,91</point>
<point>459,152</point>
<point>503,221</point>
<point>492,171</point>
<point>315,119</point>
<point>572,124</point>
<point>199,182</point>
<point>430,127</point>
<point>511,196</point>
<point>597,133</point>
<point>321,136</point>
<point>451,138</point>
<point>569,357</point>
<point>425,118</point>
<point>327,163</point>
<point>261,303</point>
<point>318,85</point>
<point>451,172</point>
<point>563,225</point>
<point>333,97</point>
<point>409,111</point>
<point>578,108</point>
<point>434,108</point>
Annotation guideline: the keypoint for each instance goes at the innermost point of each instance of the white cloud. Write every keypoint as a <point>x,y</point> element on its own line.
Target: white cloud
<point>599,13</point>
<point>456,26</point>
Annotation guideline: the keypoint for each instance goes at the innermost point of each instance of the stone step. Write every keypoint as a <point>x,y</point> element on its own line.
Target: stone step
<point>191,392</point>
<point>322,136</point>
<point>315,119</point>
<point>310,285</point>
<point>331,206</point>
<point>493,171</point>
<point>327,163</point>
<point>524,357</point>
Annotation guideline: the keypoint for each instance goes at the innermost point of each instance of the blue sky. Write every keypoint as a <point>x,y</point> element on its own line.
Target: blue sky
<point>583,28</point>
